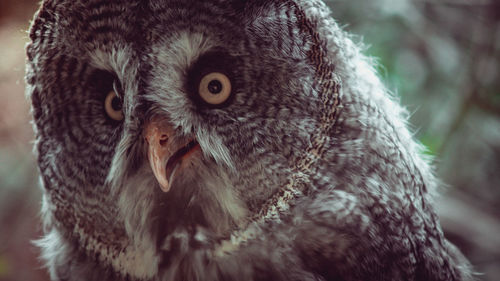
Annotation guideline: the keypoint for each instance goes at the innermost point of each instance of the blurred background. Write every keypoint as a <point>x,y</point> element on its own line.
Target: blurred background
<point>440,57</point>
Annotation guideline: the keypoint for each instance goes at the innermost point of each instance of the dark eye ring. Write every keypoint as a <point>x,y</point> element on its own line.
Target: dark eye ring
<point>214,88</point>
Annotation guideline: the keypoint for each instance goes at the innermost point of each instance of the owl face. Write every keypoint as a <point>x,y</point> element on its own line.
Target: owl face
<point>154,114</point>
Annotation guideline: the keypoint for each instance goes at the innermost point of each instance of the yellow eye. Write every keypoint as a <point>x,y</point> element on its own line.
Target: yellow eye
<point>215,88</point>
<point>113,106</point>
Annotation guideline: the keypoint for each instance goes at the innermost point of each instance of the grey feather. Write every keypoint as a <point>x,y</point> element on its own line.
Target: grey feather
<point>307,172</point>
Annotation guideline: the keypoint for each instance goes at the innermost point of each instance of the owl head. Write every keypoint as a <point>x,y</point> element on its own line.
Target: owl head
<point>155,115</point>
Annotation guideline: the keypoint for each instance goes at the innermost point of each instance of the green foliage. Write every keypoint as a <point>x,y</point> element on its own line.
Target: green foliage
<point>4,267</point>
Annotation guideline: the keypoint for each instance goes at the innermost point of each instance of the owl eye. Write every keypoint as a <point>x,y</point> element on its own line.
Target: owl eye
<point>113,106</point>
<point>214,88</point>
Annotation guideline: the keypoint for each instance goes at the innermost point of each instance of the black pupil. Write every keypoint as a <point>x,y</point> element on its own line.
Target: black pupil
<point>116,104</point>
<point>215,87</point>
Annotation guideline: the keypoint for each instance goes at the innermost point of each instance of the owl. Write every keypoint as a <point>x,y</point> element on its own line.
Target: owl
<point>223,140</point>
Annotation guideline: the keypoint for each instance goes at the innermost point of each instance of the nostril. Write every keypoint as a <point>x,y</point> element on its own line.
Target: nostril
<point>163,140</point>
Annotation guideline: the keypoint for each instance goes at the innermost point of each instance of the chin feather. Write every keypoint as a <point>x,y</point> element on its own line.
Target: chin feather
<point>202,194</point>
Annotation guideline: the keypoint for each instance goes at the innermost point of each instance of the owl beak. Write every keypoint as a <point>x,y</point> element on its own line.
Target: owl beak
<point>165,156</point>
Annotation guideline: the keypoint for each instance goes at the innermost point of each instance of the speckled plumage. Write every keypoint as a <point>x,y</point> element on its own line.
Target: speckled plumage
<point>307,173</point>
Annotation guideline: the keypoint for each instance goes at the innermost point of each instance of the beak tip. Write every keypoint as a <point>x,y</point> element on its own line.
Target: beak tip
<point>164,185</point>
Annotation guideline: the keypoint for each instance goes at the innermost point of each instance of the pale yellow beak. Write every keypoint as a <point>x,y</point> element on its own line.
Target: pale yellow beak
<point>165,156</point>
